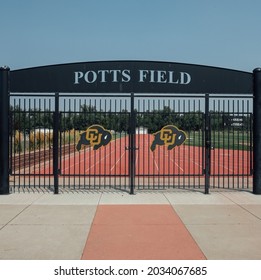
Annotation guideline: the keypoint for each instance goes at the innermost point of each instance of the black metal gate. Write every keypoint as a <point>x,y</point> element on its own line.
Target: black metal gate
<point>216,151</point>
<point>142,126</point>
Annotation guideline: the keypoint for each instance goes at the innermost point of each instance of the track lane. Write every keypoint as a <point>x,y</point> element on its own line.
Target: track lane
<point>113,159</point>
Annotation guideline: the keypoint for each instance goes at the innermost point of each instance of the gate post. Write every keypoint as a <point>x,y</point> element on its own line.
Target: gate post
<point>132,147</point>
<point>207,144</point>
<point>56,144</point>
<point>257,131</point>
<point>4,129</point>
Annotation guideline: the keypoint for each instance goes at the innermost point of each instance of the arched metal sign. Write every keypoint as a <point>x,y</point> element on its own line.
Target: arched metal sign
<point>131,76</point>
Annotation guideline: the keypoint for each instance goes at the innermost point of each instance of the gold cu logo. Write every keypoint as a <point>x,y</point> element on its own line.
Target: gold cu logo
<point>167,136</point>
<point>93,135</point>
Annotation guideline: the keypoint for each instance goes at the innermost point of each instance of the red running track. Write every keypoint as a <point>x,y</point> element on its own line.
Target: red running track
<point>113,159</point>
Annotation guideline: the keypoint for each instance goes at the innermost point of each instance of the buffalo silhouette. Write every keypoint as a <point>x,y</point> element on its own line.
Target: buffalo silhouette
<point>169,136</point>
<point>95,136</point>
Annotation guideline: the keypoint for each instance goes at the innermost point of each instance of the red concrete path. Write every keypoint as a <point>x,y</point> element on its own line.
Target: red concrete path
<point>140,232</point>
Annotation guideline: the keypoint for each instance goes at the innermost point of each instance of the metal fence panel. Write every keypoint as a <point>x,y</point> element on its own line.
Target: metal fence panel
<point>130,141</point>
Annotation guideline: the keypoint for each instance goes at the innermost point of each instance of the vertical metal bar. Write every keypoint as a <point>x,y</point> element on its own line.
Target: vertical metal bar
<point>62,137</point>
<point>96,154</point>
<point>37,177</point>
<point>139,144</point>
<point>213,125</point>
<point>190,127</point>
<point>31,115</point>
<point>183,113</point>
<point>207,144</point>
<point>220,130</point>
<point>257,131</point>
<point>240,131</point>
<point>158,160</point>
<point>35,142</point>
<point>56,144</point>
<point>12,166</point>
<point>251,143</point>
<point>149,157</point>
<point>132,145</point>
<point>76,104</point>
<point>233,148</point>
<point>4,128</point>
<point>227,143</point>
<point>193,171</point>
<point>19,121</point>
<point>169,161</point>
<point>46,139</point>
<point>126,118</point>
<point>153,160</point>
<point>248,143</point>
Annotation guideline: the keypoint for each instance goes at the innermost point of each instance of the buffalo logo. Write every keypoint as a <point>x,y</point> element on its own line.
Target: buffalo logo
<point>169,136</point>
<point>96,136</point>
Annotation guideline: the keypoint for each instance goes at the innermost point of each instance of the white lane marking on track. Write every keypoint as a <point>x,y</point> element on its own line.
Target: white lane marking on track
<point>71,157</point>
<point>177,165</point>
<point>117,161</point>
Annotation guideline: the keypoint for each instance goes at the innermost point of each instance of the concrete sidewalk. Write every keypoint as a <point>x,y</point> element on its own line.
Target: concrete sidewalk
<point>225,225</point>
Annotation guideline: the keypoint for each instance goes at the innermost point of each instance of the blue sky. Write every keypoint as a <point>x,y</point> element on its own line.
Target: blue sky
<point>224,33</point>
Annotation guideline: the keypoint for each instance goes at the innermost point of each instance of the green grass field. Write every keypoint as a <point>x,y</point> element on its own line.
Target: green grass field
<point>235,140</point>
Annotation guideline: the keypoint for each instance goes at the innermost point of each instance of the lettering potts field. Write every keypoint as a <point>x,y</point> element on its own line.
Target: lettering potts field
<point>126,75</point>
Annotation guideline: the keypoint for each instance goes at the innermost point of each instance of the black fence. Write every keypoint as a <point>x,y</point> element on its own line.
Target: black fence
<point>129,125</point>
<point>130,142</point>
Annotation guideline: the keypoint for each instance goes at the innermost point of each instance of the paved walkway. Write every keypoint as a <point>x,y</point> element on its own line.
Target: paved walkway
<point>116,225</point>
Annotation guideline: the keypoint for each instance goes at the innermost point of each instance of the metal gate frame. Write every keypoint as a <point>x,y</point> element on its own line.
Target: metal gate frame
<point>200,146</point>
<point>4,141</point>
